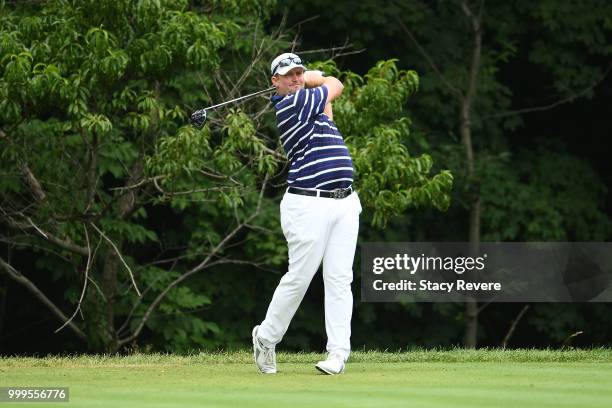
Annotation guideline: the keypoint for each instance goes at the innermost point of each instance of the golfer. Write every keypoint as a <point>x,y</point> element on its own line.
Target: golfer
<point>319,212</point>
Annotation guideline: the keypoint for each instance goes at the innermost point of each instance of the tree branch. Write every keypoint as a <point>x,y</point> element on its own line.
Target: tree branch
<point>433,66</point>
<point>476,53</point>
<point>195,269</point>
<point>33,183</point>
<point>187,192</point>
<point>333,51</point>
<point>133,186</point>
<point>28,284</point>
<point>64,244</point>
<point>570,98</point>
<point>515,322</point>
<point>89,259</point>
<point>92,172</point>
<point>118,254</point>
<point>468,98</point>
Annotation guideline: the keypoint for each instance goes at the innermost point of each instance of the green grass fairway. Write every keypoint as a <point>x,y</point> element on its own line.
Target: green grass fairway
<point>455,378</point>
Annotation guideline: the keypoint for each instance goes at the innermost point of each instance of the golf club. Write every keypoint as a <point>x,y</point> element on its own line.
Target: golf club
<point>198,118</point>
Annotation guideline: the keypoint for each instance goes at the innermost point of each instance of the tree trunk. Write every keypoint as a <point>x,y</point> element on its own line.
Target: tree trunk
<point>126,205</point>
<point>471,305</point>
<point>4,288</point>
<point>109,288</point>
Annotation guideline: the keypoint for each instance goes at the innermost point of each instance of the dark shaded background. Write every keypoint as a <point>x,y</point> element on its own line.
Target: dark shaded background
<point>581,128</point>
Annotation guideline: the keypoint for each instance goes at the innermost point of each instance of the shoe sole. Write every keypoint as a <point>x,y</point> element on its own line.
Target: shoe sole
<point>328,372</point>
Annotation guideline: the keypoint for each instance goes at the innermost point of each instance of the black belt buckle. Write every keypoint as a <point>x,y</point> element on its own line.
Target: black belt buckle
<point>339,193</point>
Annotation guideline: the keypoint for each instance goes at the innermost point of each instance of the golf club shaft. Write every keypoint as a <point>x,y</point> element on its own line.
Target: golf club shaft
<point>198,118</point>
<point>241,98</point>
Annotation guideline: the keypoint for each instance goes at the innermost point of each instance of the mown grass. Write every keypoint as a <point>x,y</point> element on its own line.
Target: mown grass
<point>458,355</point>
<point>420,378</point>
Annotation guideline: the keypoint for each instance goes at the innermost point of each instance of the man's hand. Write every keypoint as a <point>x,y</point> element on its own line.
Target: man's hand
<point>312,79</point>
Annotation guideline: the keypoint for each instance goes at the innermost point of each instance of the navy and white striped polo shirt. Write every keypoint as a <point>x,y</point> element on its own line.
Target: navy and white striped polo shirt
<point>315,148</point>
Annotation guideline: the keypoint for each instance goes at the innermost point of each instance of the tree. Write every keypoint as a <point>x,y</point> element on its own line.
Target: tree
<point>88,90</point>
<point>486,36</point>
<point>95,98</point>
<point>476,60</point>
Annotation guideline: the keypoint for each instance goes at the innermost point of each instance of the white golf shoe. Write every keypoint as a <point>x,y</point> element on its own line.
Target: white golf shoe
<point>265,356</point>
<point>332,366</point>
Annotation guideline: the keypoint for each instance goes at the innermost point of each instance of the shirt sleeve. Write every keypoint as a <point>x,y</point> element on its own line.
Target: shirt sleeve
<point>310,102</point>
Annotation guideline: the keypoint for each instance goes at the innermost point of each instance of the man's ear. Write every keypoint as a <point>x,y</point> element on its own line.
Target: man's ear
<point>274,80</point>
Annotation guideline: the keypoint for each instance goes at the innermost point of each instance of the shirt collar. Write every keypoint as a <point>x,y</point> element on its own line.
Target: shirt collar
<point>276,98</point>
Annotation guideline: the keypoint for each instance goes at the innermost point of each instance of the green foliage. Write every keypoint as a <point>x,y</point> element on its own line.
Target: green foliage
<point>533,54</point>
<point>371,117</point>
<point>90,99</point>
<point>180,154</point>
<point>94,100</point>
<point>95,97</point>
<point>571,28</point>
<point>542,196</point>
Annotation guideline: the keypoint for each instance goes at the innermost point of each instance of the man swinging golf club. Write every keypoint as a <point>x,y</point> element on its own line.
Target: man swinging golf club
<point>319,212</point>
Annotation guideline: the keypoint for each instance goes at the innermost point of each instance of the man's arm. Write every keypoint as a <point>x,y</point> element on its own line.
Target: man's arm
<point>312,79</point>
<point>328,111</point>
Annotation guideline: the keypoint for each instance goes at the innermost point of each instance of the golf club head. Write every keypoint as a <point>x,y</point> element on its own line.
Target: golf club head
<point>198,118</point>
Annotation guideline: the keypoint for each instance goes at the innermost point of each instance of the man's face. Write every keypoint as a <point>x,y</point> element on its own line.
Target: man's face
<point>289,83</point>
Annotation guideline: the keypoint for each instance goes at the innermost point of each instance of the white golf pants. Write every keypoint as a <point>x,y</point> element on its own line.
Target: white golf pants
<point>317,229</point>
